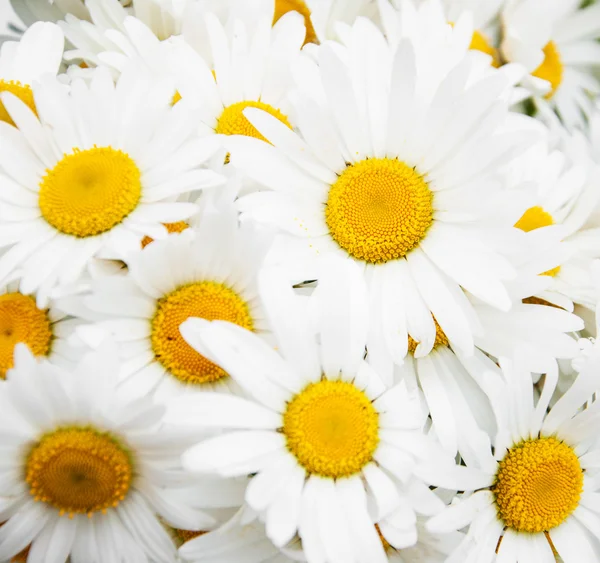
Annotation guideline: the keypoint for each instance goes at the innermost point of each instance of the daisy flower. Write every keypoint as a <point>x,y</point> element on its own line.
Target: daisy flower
<point>208,272</point>
<point>86,475</point>
<point>537,495</point>
<point>247,67</point>
<point>322,436</point>
<point>38,53</point>
<point>377,174</point>
<point>556,41</point>
<point>44,330</point>
<point>563,194</point>
<point>95,173</point>
<point>116,35</point>
<point>321,17</point>
<point>484,15</point>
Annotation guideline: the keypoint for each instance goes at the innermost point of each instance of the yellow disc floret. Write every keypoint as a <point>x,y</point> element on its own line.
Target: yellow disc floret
<point>22,321</point>
<point>551,68</point>
<point>89,192</point>
<point>207,300</point>
<point>379,209</point>
<point>538,485</point>
<point>233,121</point>
<point>177,227</point>
<point>21,91</point>
<point>186,535</point>
<point>79,470</point>
<point>284,6</point>
<point>440,339</point>
<point>479,42</point>
<point>332,428</point>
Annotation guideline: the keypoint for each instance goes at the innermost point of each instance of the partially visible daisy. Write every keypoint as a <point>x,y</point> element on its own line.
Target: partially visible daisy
<point>407,191</point>
<point>92,175</point>
<point>208,272</point>
<point>484,15</point>
<point>557,42</point>
<point>563,195</point>
<point>536,496</point>
<point>116,34</point>
<point>22,63</point>
<point>87,476</point>
<point>328,445</point>
<point>44,330</point>
<point>249,66</point>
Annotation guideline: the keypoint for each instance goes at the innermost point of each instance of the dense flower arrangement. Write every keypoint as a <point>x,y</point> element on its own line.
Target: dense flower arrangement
<point>300,280</point>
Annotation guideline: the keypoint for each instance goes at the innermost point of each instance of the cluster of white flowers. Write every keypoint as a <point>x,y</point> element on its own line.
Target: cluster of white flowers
<point>300,281</point>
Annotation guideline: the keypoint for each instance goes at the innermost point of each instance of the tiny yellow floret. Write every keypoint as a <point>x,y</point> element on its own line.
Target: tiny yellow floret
<point>551,68</point>
<point>379,209</point>
<point>21,91</point>
<point>177,227</point>
<point>440,339</point>
<point>233,121</point>
<point>284,6</point>
<point>22,321</point>
<point>480,42</point>
<point>79,470</point>
<point>207,300</point>
<point>538,485</point>
<point>332,428</point>
<point>89,192</point>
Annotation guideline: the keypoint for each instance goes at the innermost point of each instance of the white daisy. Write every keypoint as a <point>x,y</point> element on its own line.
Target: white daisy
<point>94,174</point>
<point>87,475</point>
<point>556,41</point>
<point>22,63</point>
<point>485,37</point>
<point>322,435</point>
<point>538,492</point>
<point>208,272</point>
<point>562,193</point>
<point>404,189</point>
<point>116,34</point>
<point>248,67</point>
<point>44,330</point>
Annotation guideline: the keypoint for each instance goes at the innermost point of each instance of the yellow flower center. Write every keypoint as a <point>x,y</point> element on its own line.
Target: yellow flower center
<point>551,68</point>
<point>440,339</point>
<point>479,42</point>
<point>21,91</point>
<point>178,227</point>
<point>379,209</point>
<point>185,535</point>
<point>234,122</point>
<point>207,300</point>
<point>22,321</point>
<point>536,218</point>
<point>538,485</point>
<point>284,6</point>
<point>89,192</point>
<point>79,470</point>
<point>332,428</point>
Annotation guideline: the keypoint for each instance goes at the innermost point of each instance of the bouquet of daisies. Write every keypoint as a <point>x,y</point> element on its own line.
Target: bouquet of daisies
<point>300,281</point>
